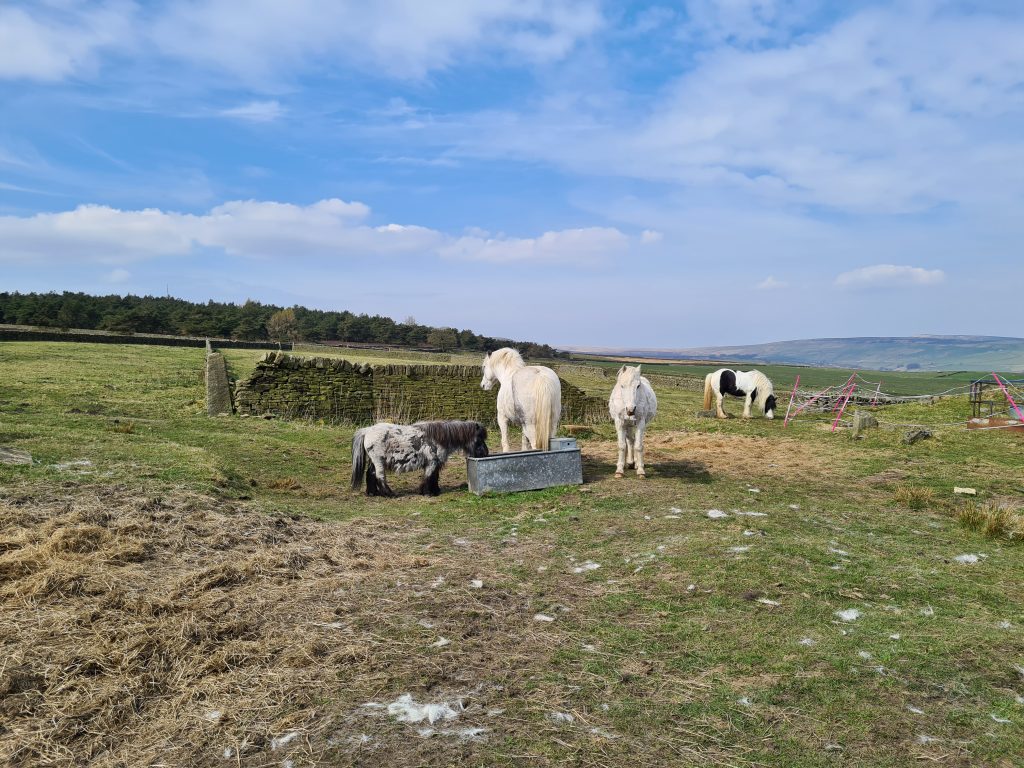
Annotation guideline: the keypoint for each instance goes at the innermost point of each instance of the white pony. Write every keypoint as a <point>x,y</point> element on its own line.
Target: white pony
<point>530,395</point>
<point>632,405</point>
<point>753,386</point>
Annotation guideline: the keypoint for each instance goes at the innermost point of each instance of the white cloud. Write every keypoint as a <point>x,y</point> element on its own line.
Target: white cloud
<point>258,39</point>
<point>56,40</point>
<point>651,236</point>
<point>328,229</point>
<point>770,284</point>
<point>568,245</point>
<point>892,111</point>
<point>889,275</point>
<point>118,275</point>
<point>255,111</point>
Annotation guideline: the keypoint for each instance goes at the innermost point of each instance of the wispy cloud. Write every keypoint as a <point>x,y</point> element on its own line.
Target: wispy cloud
<point>771,284</point>
<point>889,276</point>
<point>255,111</point>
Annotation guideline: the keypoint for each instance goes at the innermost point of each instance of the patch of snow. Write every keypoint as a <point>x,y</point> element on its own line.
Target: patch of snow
<point>691,587</point>
<point>895,636</point>
<point>542,617</point>
<point>744,701</point>
<point>864,654</point>
<point>541,568</point>
<point>914,710</point>
<point>671,517</point>
<point>441,642</point>
<point>927,611</point>
<point>461,542</point>
<point>808,641</point>
<point>647,517</point>
<point>716,514</point>
<point>602,733</point>
<point>476,584</point>
<point>405,710</point>
<point>213,715</point>
<point>438,582</point>
<point>1019,699</point>
<point>495,712</point>
<point>753,490</point>
<point>850,614</point>
<point>675,510</point>
<point>285,740</point>
<point>766,601</point>
<point>589,565</point>
<point>794,506</point>
<point>660,547</point>
<point>561,717</point>
<point>839,552</point>
<point>1005,625</point>
<point>589,648</point>
<point>228,753</point>
<point>753,514</point>
<point>1001,720</point>
<point>967,559</point>
<point>925,739</point>
<point>739,549</point>
<point>425,624</point>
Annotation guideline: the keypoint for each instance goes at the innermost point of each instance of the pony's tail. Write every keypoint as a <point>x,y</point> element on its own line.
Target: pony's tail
<point>544,422</point>
<point>358,458</point>
<point>709,393</point>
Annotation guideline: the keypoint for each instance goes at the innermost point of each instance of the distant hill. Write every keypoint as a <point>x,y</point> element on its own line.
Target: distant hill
<point>881,353</point>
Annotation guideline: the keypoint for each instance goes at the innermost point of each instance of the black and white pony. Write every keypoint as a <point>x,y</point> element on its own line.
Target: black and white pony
<point>424,445</point>
<point>753,386</point>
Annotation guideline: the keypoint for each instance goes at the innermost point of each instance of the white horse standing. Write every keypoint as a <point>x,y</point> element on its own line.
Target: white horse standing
<point>632,405</point>
<point>530,395</point>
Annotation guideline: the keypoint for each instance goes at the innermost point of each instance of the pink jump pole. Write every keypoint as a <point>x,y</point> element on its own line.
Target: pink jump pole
<point>785,422</point>
<point>840,414</point>
<point>1008,397</point>
<point>846,386</point>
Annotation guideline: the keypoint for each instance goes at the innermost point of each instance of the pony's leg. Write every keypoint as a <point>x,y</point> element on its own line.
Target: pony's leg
<point>503,426</point>
<point>430,485</point>
<point>382,478</point>
<point>718,404</point>
<point>372,485</point>
<point>746,407</point>
<point>528,438</point>
<point>630,453</point>
<point>620,432</point>
<point>638,449</point>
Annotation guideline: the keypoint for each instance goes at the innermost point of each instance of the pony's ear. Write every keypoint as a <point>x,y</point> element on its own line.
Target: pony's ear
<point>622,370</point>
<point>638,369</point>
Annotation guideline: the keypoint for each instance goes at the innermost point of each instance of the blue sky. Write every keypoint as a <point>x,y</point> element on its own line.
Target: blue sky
<point>575,172</point>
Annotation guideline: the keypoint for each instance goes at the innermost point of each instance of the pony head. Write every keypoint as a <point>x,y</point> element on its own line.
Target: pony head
<point>478,449</point>
<point>769,407</point>
<point>489,378</point>
<point>628,383</point>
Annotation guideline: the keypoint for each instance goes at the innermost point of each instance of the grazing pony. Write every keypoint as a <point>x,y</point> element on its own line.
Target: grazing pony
<point>425,445</point>
<point>632,405</point>
<point>530,395</point>
<point>754,386</point>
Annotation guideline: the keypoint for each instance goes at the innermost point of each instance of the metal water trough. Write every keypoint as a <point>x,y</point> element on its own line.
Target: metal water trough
<point>527,470</point>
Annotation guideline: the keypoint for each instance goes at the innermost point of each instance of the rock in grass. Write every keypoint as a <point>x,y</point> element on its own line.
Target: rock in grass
<point>916,435</point>
<point>14,456</point>
<point>863,420</point>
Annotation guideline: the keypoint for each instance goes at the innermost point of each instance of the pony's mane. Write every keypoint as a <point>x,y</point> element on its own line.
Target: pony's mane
<point>450,434</point>
<point>507,357</point>
<point>764,387</point>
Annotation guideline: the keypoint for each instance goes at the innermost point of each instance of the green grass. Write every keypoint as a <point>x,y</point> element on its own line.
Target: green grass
<point>666,645</point>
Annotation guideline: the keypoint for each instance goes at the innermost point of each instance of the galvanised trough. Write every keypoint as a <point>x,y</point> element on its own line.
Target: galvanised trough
<point>527,470</point>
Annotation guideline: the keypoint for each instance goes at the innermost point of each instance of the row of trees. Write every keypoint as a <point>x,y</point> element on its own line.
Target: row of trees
<point>252,321</point>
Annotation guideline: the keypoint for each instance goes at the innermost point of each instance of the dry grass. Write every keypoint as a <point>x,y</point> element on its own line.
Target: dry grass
<point>913,497</point>
<point>738,456</point>
<point>994,521</point>
<point>186,631</point>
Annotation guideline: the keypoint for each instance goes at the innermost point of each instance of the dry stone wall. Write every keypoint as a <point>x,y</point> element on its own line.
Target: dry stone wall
<point>339,391</point>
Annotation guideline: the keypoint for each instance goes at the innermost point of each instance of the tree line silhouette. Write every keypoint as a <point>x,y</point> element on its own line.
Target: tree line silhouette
<point>252,321</point>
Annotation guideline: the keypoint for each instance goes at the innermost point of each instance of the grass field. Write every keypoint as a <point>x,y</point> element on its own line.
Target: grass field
<point>178,589</point>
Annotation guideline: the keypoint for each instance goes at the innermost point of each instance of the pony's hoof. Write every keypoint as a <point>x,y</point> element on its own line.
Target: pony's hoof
<point>618,474</point>
<point>641,474</point>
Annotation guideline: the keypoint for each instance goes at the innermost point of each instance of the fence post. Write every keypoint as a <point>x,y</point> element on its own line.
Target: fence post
<point>792,394</point>
<point>1008,397</point>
